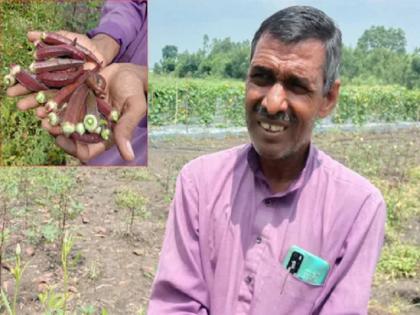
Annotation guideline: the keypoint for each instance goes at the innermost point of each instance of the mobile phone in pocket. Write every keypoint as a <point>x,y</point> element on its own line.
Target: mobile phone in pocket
<point>305,266</point>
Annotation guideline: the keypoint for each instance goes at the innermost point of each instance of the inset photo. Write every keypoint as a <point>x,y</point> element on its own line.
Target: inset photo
<point>74,89</point>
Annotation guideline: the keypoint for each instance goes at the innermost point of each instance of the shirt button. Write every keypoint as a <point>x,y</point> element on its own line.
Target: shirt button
<point>258,240</point>
<point>248,279</point>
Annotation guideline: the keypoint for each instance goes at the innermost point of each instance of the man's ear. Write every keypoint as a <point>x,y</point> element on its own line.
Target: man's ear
<point>330,100</point>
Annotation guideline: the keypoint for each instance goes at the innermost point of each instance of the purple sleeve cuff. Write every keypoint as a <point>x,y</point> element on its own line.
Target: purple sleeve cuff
<point>122,21</point>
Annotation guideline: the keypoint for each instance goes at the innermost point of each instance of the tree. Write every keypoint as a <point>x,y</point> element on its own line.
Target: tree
<point>169,58</point>
<point>188,64</point>
<point>169,52</point>
<point>381,37</point>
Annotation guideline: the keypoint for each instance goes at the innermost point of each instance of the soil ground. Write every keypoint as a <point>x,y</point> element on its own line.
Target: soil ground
<point>115,269</point>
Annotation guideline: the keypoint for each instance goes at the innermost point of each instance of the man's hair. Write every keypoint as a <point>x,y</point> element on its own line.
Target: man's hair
<point>298,23</point>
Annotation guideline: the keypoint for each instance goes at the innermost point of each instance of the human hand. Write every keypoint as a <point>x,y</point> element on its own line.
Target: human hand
<point>125,91</point>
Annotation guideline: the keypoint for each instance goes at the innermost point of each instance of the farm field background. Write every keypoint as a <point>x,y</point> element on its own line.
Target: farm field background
<point>219,102</point>
<point>113,261</point>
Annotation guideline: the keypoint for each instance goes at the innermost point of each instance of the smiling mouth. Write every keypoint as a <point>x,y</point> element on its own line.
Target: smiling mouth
<point>271,128</point>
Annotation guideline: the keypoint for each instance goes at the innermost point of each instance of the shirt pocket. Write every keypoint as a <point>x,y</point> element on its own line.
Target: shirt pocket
<point>278,292</point>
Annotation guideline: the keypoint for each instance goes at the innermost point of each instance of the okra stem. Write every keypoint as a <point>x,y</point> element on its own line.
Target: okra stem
<point>9,80</point>
<point>68,128</point>
<point>41,98</point>
<point>53,119</point>
<point>80,129</point>
<point>105,133</point>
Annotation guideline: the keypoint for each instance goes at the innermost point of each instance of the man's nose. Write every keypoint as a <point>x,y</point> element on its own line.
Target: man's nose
<point>275,100</point>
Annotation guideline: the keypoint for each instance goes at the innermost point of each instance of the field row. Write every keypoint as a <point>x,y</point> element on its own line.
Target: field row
<point>220,102</point>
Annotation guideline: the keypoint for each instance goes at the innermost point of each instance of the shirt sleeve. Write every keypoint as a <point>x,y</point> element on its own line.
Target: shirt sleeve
<point>352,274</point>
<point>122,20</point>
<point>179,286</point>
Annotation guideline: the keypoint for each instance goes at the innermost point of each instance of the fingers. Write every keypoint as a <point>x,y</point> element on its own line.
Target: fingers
<point>41,112</point>
<point>53,130</point>
<point>34,35</point>
<point>84,152</point>
<point>67,34</point>
<point>66,144</point>
<point>17,90</point>
<point>134,110</point>
<point>27,103</point>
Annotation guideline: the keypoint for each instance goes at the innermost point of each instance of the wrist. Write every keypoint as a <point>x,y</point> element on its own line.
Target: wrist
<point>107,46</point>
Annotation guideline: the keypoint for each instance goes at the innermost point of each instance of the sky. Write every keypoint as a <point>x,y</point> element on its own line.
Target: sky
<point>183,23</point>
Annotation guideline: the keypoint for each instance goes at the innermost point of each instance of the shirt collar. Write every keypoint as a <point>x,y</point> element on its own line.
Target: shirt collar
<point>254,164</point>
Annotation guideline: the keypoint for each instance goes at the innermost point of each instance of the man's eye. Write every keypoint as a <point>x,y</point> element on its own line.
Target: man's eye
<point>261,79</point>
<point>297,88</point>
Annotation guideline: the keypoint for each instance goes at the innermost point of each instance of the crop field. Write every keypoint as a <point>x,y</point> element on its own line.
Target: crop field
<point>89,238</point>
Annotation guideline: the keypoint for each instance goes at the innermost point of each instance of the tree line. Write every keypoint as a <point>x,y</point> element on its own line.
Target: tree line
<point>380,57</point>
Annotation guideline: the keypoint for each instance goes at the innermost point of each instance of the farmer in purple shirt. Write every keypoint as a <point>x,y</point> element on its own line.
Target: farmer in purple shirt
<point>120,42</point>
<point>236,213</point>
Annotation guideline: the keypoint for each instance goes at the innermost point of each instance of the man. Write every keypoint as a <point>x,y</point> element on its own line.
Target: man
<point>237,213</point>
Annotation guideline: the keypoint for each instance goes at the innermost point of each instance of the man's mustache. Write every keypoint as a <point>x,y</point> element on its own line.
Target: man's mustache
<point>279,116</point>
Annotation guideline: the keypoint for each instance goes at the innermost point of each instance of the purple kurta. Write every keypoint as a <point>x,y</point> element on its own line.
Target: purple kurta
<point>126,22</point>
<point>227,235</point>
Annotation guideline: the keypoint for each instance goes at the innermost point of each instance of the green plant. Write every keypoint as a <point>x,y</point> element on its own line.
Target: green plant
<point>59,190</point>
<point>16,272</point>
<point>56,302</point>
<point>136,174</point>
<point>134,203</point>
<point>94,271</point>
<point>220,102</point>
<point>399,261</point>
<point>8,192</point>
<point>67,246</point>
<point>88,310</point>
<point>52,302</point>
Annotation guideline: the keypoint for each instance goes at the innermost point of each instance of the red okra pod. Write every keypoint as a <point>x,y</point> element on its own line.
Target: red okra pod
<point>74,109</point>
<point>59,78</point>
<point>64,94</point>
<point>93,117</point>
<point>29,81</point>
<point>87,137</point>
<point>55,64</point>
<point>48,52</point>
<point>97,83</point>
<point>57,39</point>
<point>40,44</point>
<point>106,110</point>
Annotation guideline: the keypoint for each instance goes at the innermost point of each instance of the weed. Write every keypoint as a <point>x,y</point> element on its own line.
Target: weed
<point>399,261</point>
<point>136,174</point>
<point>94,271</point>
<point>52,301</point>
<point>134,203</point>
<point>8,192</point>
<point>17,272</point>
<point>67,245</point>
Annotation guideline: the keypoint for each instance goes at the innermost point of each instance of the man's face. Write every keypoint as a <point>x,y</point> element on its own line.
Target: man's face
<point>284,95</point>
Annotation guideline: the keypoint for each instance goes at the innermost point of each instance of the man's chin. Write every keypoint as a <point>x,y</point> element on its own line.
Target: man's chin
<point>273,153</point>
